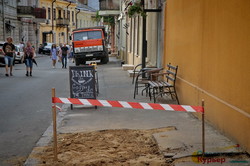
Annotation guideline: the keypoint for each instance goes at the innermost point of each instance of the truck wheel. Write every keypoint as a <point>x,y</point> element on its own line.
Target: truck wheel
<point>105,60</point>
<point>77,62</point>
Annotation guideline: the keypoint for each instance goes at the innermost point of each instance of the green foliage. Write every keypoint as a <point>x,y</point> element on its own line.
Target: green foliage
<point>98,17</point>
<point>106,19</point>
<point>109,20</point>
<point>136,8</point>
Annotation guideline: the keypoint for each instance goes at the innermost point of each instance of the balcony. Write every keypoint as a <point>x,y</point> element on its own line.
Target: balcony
<point>25,10</point>
<point>61,22</point>
<point>109,7</point>
<point>40,13</point>
<point>28,10</point>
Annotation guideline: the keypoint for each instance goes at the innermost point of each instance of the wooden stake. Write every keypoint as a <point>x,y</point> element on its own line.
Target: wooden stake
<point>54,125</point>
<point>203,128</point>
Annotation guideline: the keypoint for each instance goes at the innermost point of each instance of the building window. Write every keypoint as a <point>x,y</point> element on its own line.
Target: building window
<point>64,14</point>
<point>54,14</point>
<point>73,19</point>
<point>68,15</point>
<point>59,14</point>
<point>49,14</point>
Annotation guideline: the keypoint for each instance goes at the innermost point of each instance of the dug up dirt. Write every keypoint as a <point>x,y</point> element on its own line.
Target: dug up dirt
<point>104,148</point>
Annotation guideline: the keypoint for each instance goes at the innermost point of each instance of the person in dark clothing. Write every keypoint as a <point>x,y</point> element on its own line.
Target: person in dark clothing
<point>8,51</point>
<point>28,58</point>
<point>65,51</point>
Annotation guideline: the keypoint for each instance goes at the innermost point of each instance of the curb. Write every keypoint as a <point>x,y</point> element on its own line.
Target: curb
<point>46,137</point>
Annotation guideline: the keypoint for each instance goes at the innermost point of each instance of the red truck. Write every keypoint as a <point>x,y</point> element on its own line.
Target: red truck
<point>90,44</point>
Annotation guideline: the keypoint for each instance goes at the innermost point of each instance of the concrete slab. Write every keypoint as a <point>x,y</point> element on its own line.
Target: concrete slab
<point>127,67</point>
<point>131,73</point>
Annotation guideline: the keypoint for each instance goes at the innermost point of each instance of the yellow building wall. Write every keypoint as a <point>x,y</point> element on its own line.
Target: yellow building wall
<point>62,5</point>
<point>210,42</point>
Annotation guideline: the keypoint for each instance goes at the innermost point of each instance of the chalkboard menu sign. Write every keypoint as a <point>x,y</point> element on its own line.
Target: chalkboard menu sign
<point>82,82</point>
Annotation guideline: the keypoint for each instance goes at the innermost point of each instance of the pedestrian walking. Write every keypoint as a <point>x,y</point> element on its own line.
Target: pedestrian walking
<point>29,55</point>
<point>71,55</point>
<point>8,51</point>
<point>65,51</point>
<point>59,49</point>
<point>53,55</point>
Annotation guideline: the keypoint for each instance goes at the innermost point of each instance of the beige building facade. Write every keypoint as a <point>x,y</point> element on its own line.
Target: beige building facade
<point>153,37</point>
<point>86,18</point>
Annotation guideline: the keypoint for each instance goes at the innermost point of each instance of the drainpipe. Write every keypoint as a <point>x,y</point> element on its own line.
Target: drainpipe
<point>68,24</point>
<point>53,20</point>
<point>144,41</point>
<point>3,20</point>
<point>76,18</point>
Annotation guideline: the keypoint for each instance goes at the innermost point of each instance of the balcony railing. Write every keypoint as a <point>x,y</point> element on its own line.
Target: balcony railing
<point>26,10</point>
<point>62,22</point>
<point>109,5</point>
<point>40,13</point>
<point>29,10</point>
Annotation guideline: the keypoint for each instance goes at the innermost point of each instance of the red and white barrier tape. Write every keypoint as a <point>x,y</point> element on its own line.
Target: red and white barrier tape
<point>57,107</point>
<point>124,104</point>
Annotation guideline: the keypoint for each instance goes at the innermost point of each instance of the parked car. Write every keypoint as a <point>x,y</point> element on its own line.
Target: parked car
<point>45,48</point>
<point>40,49</point>
<point>2,55</point>
<point>18,54</point>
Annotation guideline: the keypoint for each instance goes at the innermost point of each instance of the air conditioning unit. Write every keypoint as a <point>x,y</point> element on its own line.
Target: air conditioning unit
<point>47,21</point>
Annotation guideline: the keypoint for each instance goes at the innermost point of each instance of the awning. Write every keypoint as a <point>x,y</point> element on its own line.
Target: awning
<point>8,24</point>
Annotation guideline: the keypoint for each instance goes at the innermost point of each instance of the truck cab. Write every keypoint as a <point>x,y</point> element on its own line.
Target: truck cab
<point>90,44</point>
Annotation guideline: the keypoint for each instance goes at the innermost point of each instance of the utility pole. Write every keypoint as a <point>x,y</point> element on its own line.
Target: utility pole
<point>69,22</point>
<point>53,41</point>
<point>144,40</point>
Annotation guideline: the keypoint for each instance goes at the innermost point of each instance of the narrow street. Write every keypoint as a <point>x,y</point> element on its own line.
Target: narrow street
<point>25,114</point>
<point>25,106</point>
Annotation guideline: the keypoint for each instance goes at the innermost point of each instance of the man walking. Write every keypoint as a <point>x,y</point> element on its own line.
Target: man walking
<point>8,51</point>
<point>64,56</point>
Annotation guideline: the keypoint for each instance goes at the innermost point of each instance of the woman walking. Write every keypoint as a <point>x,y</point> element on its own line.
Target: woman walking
<point>53,55</point>
<point>28,58</point>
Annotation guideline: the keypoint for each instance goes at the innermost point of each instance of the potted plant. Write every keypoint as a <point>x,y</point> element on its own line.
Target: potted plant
<point>136,8</point>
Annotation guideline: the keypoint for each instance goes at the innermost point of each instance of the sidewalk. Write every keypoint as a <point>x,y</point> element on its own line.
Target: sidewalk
<point>115,84</point>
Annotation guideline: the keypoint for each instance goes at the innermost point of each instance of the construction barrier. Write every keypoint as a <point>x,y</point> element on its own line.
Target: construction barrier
<point>123,104</point>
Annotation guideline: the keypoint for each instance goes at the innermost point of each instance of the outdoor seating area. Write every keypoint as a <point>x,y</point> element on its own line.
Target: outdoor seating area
<point>155,82</point>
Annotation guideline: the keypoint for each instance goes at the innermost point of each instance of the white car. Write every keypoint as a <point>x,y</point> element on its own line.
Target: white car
<point>19,54</point>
